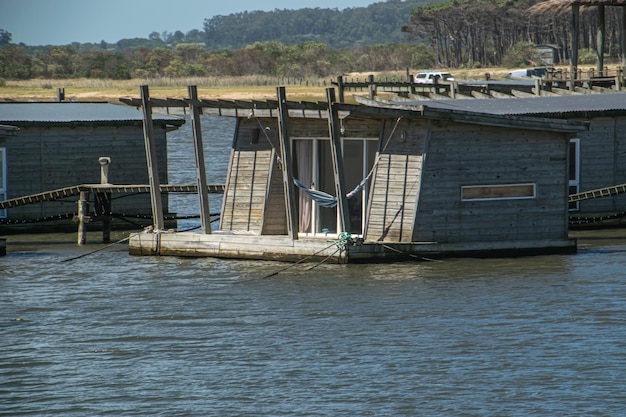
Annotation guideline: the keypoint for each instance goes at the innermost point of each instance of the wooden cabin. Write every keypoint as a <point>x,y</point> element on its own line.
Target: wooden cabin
<point>597,157</point>
<point>59,145</point>
<point>413,183</point>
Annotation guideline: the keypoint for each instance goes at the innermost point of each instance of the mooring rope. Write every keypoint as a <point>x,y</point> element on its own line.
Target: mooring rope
<point>97,250</point>
<point>421,258</point>
<point>125,239</point>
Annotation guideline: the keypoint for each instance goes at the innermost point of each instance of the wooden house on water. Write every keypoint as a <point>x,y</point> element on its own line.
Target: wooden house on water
<point>597,157</point>
<point>363,183</point>
<point>59,144</point>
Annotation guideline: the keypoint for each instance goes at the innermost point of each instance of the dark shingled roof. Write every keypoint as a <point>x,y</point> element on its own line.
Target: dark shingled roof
<point>78,114</point>
<point>575,106</point>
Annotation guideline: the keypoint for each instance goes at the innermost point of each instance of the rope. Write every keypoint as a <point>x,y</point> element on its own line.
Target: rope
<point>97,250</point>
<point>421,258</point>
<point>340,243</point>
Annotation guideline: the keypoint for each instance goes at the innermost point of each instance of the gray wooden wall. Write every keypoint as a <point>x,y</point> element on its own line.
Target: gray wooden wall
<point>42,159</point>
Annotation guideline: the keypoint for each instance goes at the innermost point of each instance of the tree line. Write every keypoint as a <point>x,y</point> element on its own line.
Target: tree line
<point>484,33</point>
<point>453,34</point>
<point>306,60</point>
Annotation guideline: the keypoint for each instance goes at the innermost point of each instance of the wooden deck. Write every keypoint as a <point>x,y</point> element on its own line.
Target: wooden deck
<point>283,248</point>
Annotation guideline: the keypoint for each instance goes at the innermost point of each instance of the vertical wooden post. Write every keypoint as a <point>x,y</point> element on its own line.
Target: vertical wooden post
<point>623,38</point>
<point>371,87</point>
<point>151,160</point>
<point>337,155</point>
<point>600,40</point>
<point>573,61</point>
<point>83,216</point>
<point>103,200</point>
<point>537,87</point>
<point>285,155</point>
<point>340,88</point>
<point>60,94</point>
<point>203,193</point>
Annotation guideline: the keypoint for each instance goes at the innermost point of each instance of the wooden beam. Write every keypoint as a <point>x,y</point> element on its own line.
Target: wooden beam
<point>337,155</point>
<point>203,195</point>
<point>600,39</point>
<point>285,150</point>
<point>623,42</point>
<point>151,160</point>
<point>573,62</point>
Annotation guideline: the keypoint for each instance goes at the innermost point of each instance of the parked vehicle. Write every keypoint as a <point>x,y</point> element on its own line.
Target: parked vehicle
<point>429,77</point>
<point>527,73</point>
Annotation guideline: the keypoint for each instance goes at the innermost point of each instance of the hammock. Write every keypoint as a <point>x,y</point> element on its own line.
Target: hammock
<point>325,199</point>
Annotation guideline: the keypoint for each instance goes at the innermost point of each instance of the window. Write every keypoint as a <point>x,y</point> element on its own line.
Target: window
<point>313,167</point>
<point>498,192</point>
<point>3,180</point>
<point>573,169</point>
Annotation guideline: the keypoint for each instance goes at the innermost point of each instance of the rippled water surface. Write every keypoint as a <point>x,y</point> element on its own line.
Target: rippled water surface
<point>111,334</point>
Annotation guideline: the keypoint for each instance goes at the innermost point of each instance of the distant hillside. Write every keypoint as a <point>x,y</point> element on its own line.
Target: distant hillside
<point>379,23</point>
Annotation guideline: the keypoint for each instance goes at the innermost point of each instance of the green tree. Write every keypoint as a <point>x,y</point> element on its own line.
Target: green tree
<point>15,64</point>
<point>5,37</point>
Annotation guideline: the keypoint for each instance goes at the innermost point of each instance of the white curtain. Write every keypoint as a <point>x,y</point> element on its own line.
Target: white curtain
<point>304,153</point>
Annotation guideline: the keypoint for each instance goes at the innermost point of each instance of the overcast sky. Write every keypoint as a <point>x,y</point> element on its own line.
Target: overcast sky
<point>61,22</point>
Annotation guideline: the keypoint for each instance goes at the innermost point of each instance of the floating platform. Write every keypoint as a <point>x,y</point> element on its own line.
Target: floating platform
<point>332,249</point>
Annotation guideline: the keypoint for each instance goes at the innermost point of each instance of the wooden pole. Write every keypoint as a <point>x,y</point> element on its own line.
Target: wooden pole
<point>340,88</point>
<point>573,62</point>
<point>600,40</point>
<point>371,87</point>
<point>203,194</point>
<point>337,155</point>
<point>285,151</point>
<point>103,200</point>
<point>623,39</point>
<point>151,160</point>
<point>83,217</point>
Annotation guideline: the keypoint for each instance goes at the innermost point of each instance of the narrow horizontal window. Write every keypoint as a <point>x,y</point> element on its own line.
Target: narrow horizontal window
<point>498,192</point>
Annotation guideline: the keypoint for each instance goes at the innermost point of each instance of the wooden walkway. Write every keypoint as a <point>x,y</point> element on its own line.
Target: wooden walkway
<point>75,190</point>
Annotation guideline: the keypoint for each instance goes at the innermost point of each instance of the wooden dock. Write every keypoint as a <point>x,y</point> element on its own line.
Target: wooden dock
<point>332,248</point>
<point>557,83</point>
<point>75,190</point>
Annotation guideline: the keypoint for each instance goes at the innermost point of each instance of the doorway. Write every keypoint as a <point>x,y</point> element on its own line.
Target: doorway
<point>314,169</point>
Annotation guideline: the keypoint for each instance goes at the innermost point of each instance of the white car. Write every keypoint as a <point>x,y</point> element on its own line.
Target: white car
<point>428,77</point>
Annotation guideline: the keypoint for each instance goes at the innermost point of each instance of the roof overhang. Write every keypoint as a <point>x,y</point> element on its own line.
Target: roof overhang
<point>6,130</point>
<point>366,108</point>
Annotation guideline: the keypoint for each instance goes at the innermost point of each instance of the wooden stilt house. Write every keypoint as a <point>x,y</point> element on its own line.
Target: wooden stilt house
<point>363,183</point>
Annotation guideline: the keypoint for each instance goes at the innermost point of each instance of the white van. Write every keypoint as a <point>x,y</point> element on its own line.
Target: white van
<point>428,77</point>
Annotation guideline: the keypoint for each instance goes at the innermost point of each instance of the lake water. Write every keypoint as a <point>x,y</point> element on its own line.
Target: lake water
<point>113,335</point>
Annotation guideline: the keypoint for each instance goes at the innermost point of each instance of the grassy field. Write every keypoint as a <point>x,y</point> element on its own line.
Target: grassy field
<point>239,88</point>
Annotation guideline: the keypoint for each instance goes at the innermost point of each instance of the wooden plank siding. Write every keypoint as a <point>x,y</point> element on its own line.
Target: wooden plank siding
<point>246,186</point>
<point>42,159</point>
<point>396,184</point>
<point>462,155</point>
<point>394,196</point>
<point>603,163</point>
<point>275,214</point>
<point>253,198</point>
